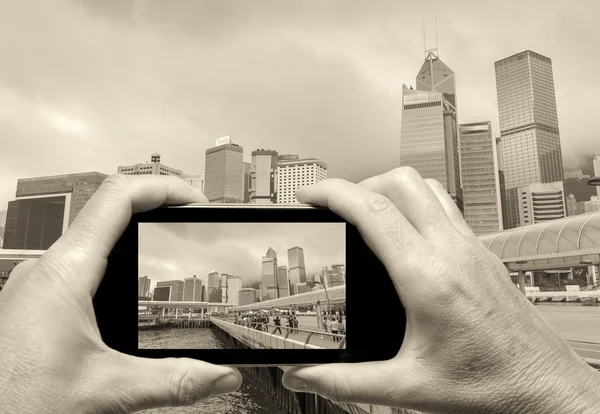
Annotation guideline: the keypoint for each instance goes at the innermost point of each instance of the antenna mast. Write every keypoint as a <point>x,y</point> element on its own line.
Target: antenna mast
<point>424,40</point>
<point>437,49</point>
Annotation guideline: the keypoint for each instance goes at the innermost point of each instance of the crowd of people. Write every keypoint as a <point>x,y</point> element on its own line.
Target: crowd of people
<point>334,325</point>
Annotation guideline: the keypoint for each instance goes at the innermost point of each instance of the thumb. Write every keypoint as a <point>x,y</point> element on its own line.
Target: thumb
<point>360,383</point>
<point>129,383</point>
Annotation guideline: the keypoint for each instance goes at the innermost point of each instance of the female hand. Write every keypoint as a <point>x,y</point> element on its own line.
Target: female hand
<point>473,342</point>
<point>52,358</point>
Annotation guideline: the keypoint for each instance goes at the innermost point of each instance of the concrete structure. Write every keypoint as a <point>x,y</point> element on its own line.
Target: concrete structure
<point>144,286</point>
<point>541,202</point>
<point>293,173</point>
<point>531,150</point>
<point>224,172</point>
<point>263,177</point>
<point>45,207</point>
<point>479,178</point>
<point>297,267</point>
<point>592,205</point>
<point>154,167</point>
<point>248,296</point>
<point>192,289</point>
<point>283,283</point>
<point>429,137</point>
<point>176,290</point>
<point>234,285</point>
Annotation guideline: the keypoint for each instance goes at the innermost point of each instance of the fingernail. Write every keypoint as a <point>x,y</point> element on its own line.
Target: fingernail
<point>296,384</point>
<point>224,385</point>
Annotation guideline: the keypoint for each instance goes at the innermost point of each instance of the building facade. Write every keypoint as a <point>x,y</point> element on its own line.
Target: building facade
<point>293,173</point>
<point>300,288</point>
<point>283,283</point>
<point>592,206</point>
<point>223,287</point>
<point>247,181</point>
<point>144,286</point>
<point>479,178</point>
<point>297,267</point>
<point>531,150</point>
<point>596,165</point>
<point>572,205</point>
<point>541,202</point>
<point>263,177</point>
<point>248,296</point>
<point>213,289</point>
<point>234,285</point>
<point>154,167</point>
<point>175,287</point>
<point>192,289</point>
<point>269,278</point>
<point>224,172</point>
<point>45,207</point>
<point>195,180</point>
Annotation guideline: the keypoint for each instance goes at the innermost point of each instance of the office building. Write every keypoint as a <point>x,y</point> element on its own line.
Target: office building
<point>337,275</point>
<point>479,178</point>
<point>223,285</point>
<point>234,285</point>
<point>283,283</point>
<point>224,172</point>
<point>572,205</point>
<point>195,180</point>
<point>592,206</point>
<point>259,293</point>
<point>300,288</point>
<point>192,289</point>
<point>263,176</point>
<point>45,207</point>
<point>596,163</point>
<point>2,218</point>
<point>248,296</point>
<point>247,181</point>
<point>541,202</point>
<point>297,267</point>
<point>531,151</point>
<point>144,286</point>
<point>578,174</point>
<point>213,290</point>
<point>203,297</point>
<point>269,278</point>
<point>293,173</point>
<point>175,290</point>
<point>429,134</point>
<point>154,167</point>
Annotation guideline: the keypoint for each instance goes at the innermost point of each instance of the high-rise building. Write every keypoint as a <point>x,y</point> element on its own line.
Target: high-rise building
<point>269,278</point>
<point>144,286</point>
<point>300,288</point>
<point>224,172</point>
<point>175,287</point>
<point>293,173</point>
<point>297,267</point>
<point>337,275</point>
<point>479,178</point>
<point>260,292</point>
<point>592,205</point>
<point>234,285</point>
<point>192,289</point>
<point>263,176</point>
<point>2,218</point>
<point>44,208</point>
<point>247,181</point>
<point>213,290</point>
<point>283,283</point>
<point>596,163</point>
<point>572,205</point>
<point>248,296</point>
<point>541,202</point>
<point>223,285</point>
<point>429,133</point>
<point>203,297</point>
<point>531,151</point>
<point>154,167</point>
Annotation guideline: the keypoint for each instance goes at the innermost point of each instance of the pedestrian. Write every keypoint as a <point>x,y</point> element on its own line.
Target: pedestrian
<point>334,329</point>
<point>277,322</point>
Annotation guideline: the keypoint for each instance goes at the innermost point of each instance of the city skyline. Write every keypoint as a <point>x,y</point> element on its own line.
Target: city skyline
<point>334,80</point>
<point>234,248</point>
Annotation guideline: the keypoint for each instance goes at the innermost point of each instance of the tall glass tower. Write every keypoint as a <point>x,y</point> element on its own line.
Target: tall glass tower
<point>529,133</point>
<point>429,137</point>
<point>224,172</point>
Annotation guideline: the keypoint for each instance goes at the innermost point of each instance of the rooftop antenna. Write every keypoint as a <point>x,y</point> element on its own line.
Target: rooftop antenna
<point>424,39</point>
<point>437,49</point>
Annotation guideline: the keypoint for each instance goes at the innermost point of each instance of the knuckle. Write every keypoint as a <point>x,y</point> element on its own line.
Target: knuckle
<point>378,204</point>
<point>181,389</point>
<point>407,174</point>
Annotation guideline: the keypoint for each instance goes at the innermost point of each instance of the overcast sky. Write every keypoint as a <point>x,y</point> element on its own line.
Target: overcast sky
<point>169,251</point>
<point>90,85</point>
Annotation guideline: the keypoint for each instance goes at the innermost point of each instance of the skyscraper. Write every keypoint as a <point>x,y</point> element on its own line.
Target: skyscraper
<point>479,178</point>
<point>269,278</point>
<point>247,181</point>
<point>248,296</point>
<point>572,205</point>
<point>192,289</point>
<point>234,285</point>
<point>293,173</point>
<point>175,287</point>
<point>429,136</point>
<point>223,288</point>
<point>154,167</point>
<point>297,268</point>
<point>283,284</point>
<point>597,171</point>
<point>541,202</point>
<point>263,176</point>
<point>144,286</point>
<point>45,207</point>
<point>224,172</point>
<point>213,292</point>
<point>531,151</point>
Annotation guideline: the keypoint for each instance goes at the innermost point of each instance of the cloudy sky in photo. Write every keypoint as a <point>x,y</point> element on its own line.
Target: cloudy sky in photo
<point>169,251</point>
<point>88,85</point>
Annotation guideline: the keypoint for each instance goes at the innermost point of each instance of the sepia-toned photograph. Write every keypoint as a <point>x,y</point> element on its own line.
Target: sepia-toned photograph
<point>274,285</point>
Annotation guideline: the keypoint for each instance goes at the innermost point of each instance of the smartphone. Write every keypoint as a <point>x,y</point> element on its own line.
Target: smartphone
<point>248,285</point>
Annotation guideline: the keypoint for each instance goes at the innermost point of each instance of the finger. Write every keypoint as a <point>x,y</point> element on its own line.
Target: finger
<point>17,277</point>
<point>359,383</point>
<point>81,253</point>
<point>126,383</point>
<point>383,227</point>
<point>416,201</point>
<point>450,208</point>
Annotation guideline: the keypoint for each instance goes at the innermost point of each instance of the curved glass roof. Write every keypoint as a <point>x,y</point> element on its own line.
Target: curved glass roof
<point>570,234</point>
<point>336,294</point>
